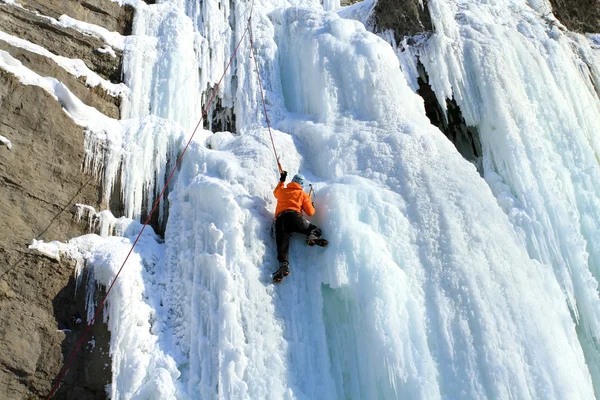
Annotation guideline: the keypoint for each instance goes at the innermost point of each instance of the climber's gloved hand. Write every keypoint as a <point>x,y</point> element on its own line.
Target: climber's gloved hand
<point>283,176</point>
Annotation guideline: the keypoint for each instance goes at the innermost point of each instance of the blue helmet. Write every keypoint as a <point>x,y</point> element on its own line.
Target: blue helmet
<point>299,179</point>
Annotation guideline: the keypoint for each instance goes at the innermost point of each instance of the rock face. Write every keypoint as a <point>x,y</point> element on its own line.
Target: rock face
<point>41,179</point>
<point>578,15</point>
<point>94,97</point>
<point>104,13</point>
<point>404,17</point>
<point>62,41</point>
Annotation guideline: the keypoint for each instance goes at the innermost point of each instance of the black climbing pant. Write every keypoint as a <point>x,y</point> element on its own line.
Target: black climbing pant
<point>287,223</point>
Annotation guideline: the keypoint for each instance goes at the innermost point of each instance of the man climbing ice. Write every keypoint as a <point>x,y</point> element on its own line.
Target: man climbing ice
<point>291,201</point>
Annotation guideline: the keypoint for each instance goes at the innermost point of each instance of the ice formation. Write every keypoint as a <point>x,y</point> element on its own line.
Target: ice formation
<point>437,283</point>
<point>532,92</point>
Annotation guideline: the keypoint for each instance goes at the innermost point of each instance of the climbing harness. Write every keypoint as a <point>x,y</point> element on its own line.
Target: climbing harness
<point>162,193</point>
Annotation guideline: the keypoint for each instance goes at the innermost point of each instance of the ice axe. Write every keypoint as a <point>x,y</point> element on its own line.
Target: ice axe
<point>311,191</point>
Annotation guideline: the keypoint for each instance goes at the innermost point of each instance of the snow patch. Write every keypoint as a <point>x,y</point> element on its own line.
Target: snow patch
<point>11,3</point>
<point>6,142</point>
<point>106,49</point>
<point>140,362</point>
<point>360,11</point>
<point>114,39</point>
<point>73,66</point>
<point>57,250</point>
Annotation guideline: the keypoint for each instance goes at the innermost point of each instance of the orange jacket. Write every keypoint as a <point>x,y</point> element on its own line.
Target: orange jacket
<point>292,197</point>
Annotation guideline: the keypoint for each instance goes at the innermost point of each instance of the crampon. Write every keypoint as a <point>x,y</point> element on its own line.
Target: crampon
<point>280,274</point>
<point>318,242</point>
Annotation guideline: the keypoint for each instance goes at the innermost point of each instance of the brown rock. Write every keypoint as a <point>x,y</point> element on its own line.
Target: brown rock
<point>39,329</point>
<point>404,17</point>
<point>41,176</point>
<point>40,181</point>
<point>61,41</point>
<point>578,15</point>
<point>21,342</point>
<point>104,13</point>
<point>44,66</point>
<point>41,317</point>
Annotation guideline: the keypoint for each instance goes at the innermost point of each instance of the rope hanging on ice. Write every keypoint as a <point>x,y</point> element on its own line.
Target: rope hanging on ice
<point>261,91</point>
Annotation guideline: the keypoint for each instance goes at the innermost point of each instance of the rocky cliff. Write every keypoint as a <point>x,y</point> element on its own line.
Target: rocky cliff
<point>41,180</point>
<point>578,15</point>
<point>403,17</point>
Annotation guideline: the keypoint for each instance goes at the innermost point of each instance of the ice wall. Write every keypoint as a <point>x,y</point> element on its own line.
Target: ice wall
<point>161,66</point>
<point>531,90</point>
<point>429,240</point>
<point>427,290</point>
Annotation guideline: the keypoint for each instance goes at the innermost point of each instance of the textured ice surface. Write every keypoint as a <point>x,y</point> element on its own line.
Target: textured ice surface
<point>436,284</point>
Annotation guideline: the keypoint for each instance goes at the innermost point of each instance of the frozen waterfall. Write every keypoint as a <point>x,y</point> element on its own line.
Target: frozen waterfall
<point>438,282</point>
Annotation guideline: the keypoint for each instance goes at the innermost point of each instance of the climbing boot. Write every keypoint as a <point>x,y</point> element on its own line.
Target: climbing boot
<point>282,272</point>
<point>318,242</point>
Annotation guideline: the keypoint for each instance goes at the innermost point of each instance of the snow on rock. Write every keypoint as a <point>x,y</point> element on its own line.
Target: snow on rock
<point>141,365</point>
<point>56,250</point>
<point>6,142</point>
<point>79,112</point>
<point>113,39</point>
<point>360,11</point>
<point>11,3</point>
<point>76,67</point>
<point>134,3</point>
<point>51,250</point>
<point>106,49</point>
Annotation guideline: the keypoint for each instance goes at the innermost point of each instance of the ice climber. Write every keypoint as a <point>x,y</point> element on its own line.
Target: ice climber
<point>291,201</point>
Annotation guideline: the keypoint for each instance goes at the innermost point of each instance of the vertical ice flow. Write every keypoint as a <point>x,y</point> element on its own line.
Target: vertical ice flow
<point>532,91</point>
<point>161,66</point>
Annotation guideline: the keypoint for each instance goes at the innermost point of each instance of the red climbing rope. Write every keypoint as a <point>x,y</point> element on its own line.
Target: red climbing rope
<point>156,203</point>
<point>262,94</point>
